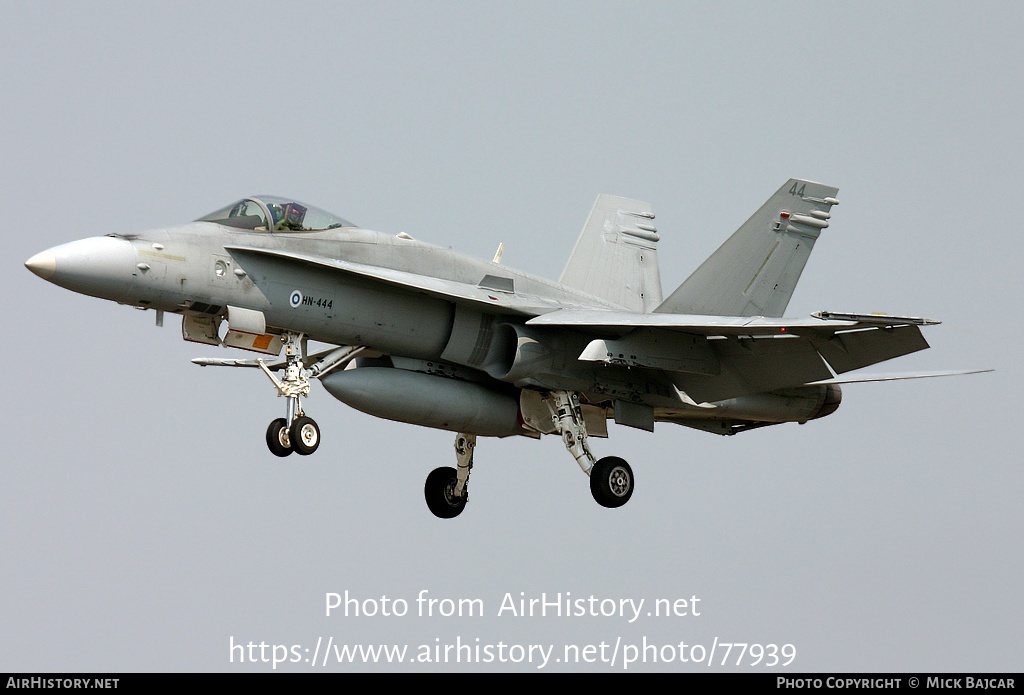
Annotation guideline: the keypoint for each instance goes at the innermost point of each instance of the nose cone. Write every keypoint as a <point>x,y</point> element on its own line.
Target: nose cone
<point>43,264</point>
<point>99,266</point>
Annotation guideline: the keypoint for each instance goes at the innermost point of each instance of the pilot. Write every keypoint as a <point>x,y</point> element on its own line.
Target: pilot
<point>293,215</point>
<point>287,216</point>
<point>276,216</point>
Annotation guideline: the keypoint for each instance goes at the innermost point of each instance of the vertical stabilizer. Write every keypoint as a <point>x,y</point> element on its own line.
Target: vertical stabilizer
<point>616,255</point>
<point>756,270</point>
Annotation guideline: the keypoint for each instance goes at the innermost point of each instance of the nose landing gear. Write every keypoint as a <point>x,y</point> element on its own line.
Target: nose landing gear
<point>297,431</point>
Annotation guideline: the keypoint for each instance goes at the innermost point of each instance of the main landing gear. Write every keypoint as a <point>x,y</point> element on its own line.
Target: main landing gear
<point>297,431</point>
<point>446,489</point>
<point>611,478</point>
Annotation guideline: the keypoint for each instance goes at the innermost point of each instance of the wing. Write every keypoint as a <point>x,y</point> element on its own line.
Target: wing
<point>711,358</point>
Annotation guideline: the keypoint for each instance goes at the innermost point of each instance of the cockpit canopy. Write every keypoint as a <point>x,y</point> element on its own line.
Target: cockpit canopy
<point>272,213</point>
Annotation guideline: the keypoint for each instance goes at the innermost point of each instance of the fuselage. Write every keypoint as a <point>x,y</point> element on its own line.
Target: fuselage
<point>421,334</point>
<point>187,269</point>
<point>393,294</point>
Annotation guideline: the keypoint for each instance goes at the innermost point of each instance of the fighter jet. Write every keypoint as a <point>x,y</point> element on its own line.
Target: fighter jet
<point>424,335</point>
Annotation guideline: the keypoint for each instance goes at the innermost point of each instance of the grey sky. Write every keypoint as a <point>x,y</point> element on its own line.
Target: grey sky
<point>144,524</point>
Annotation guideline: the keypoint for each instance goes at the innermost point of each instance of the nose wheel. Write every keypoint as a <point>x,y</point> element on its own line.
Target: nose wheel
<point>304,435</point>
<point>298,432</point>
<point>278,438</point>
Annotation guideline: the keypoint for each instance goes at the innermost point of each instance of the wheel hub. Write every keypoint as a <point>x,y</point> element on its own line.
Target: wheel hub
<point>618,481</point>
<point>308,435</point>
<point>450,497</point>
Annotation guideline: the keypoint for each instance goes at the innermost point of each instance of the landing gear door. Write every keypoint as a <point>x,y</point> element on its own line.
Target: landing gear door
<point>201,328</point>
<point>247,329</point>
<point>537,416</point>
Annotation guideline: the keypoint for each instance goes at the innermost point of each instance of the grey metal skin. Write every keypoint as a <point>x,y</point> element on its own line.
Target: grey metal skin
<point>443,340</point>
<point>180,276</point>
<point>387,318</point>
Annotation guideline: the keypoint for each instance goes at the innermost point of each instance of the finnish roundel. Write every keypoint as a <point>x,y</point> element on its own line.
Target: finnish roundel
<point>296,299</point>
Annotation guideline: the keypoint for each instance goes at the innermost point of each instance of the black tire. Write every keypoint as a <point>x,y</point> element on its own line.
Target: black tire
<point>611,482</point>
<point>438,492</point>
<point>278,440</point>
<point>304,435</point>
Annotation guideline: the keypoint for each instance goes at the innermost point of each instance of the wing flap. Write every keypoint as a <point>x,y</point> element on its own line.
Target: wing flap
<point>855,349</point>
<point>754,365</point>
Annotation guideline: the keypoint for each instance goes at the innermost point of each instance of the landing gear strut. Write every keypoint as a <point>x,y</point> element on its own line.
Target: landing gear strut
<point>611,478</point>
<point>446,489</point>
<point>297,431</point>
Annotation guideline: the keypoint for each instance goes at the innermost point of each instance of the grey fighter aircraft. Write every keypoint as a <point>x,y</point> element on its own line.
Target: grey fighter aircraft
<point>424,335</point>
